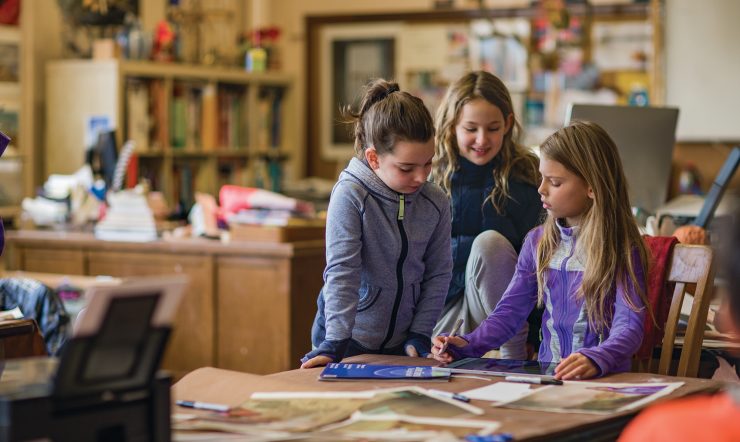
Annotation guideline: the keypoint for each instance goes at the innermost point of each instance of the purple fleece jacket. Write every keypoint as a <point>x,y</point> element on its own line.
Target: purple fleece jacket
<point>564,323</point>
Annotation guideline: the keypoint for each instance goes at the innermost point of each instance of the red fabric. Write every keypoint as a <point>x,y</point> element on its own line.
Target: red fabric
<point>689,419</point>
<point>659,291</point>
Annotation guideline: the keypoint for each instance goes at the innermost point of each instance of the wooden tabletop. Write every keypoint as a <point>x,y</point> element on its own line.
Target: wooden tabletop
<point>230,387</point>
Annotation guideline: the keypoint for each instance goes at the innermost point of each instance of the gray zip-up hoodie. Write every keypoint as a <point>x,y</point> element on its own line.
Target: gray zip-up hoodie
<point>388,264</point>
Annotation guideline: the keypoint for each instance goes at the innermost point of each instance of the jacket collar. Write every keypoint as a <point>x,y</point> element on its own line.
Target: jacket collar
<point>360,170</point>
<point>567,233</point>
<point>470,172</point>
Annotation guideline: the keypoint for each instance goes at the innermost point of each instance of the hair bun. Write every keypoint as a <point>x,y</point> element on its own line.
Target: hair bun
<point>392,87</point>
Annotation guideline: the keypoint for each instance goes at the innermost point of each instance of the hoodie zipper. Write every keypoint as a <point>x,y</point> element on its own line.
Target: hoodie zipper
<point>399,272</point>
<point>564,280</point>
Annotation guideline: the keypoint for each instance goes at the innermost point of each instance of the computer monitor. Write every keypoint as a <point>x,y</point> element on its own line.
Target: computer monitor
<point>645,137</point>
<point>103,156</point>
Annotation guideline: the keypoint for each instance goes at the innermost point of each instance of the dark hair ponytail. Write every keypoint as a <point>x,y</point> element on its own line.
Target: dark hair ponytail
<point>387,115</point>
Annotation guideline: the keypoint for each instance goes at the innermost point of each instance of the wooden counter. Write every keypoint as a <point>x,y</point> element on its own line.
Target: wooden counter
<point>249,306</point>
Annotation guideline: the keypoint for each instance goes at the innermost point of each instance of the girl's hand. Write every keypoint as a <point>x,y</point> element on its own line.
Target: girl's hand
<point>438,342</point>
<point>411,351</point>
<point>316,361</point>
<point>576,366</point>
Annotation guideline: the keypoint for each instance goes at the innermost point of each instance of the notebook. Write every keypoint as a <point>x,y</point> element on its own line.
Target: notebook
<point>350,372</point>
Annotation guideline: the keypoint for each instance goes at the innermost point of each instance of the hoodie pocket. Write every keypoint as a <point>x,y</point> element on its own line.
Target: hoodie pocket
<point>368,296</point>
<point>416,291</point>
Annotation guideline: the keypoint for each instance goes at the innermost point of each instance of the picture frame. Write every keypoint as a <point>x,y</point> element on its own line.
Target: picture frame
<point>350,56</point>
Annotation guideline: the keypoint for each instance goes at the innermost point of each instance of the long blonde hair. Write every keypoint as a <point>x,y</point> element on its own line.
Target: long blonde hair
<point>514,161</point>
<point>608,235</point>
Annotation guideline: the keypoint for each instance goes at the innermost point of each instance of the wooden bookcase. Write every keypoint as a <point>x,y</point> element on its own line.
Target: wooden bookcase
<point>17,165</point>
<point>195,127</point>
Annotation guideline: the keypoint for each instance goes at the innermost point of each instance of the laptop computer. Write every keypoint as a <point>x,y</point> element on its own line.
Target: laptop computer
<point>645,137</point>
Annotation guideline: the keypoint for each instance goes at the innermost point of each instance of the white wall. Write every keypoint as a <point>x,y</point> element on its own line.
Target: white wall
<point>702,55</point>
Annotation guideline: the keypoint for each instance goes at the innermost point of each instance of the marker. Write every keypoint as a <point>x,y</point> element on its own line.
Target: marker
<point>533,380</point>
<point>453,332</point>
<point>204,406</point>
<point>451,395</point>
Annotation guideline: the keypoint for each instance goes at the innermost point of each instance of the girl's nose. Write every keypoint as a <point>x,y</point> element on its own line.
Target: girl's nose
<point>541,189</point>
<point>480,137</point>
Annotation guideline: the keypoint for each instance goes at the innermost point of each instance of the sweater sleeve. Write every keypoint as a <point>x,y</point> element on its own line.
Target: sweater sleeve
<point>343,261</point>
<point>436,280</point>
<point>511,312</point>
<point>625,335</point>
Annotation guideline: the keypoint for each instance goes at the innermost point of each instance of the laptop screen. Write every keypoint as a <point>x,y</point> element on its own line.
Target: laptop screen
<point>645,137</point>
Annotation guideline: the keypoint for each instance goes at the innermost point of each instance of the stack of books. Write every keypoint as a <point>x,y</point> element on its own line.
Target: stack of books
<point>129,218</point>
<point>274,225</point>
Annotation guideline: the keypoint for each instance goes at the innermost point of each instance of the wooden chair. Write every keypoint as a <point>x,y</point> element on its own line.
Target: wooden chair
<point>690,264</point>
<point>20,338</point>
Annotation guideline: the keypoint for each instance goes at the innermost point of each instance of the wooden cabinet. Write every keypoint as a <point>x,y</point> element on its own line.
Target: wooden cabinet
<point>195,128</point>
<point>190,346</point>
<point>249,306</point>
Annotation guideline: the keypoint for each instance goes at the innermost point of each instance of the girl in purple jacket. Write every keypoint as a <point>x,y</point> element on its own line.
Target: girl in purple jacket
<point>586,265</point>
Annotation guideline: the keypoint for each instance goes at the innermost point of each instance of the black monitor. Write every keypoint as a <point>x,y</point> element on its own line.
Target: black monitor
<point>103,156</point>
<point>718,189</point>
<point>645,137</point>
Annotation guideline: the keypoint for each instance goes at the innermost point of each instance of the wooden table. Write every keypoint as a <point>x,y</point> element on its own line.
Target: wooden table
<point>229,387</point>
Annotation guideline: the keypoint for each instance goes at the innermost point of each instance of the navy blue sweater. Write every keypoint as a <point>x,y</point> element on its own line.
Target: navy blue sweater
<point>471,185</point>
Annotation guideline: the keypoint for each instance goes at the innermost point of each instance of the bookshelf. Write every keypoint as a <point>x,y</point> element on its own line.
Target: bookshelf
<point>196,128</point>
<point>17,165</point>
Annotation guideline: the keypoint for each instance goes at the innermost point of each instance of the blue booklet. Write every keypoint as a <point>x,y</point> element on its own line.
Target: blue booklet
<point>350,372</point>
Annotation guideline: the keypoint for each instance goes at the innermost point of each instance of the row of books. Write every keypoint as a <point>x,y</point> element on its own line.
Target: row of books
<point>200,116</point>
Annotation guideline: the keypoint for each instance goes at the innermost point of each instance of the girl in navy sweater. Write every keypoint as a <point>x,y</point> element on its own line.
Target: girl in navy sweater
<point>492,180</point>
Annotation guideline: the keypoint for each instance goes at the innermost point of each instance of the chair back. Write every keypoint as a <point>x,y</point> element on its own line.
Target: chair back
<point>20,338</point>
<point>690,264</point>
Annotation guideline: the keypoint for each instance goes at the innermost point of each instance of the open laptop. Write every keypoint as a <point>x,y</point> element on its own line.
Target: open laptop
<point>645,137</point>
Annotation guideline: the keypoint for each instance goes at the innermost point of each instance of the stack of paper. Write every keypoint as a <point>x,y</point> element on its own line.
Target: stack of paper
<point>129,218</point>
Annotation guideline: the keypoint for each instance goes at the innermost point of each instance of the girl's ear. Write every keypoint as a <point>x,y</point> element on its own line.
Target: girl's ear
<point>509,123</point>
<point>590,192</point>
<point>371,156</point>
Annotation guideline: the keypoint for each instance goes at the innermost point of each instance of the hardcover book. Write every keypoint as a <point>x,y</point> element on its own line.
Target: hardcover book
<point>343,372</point>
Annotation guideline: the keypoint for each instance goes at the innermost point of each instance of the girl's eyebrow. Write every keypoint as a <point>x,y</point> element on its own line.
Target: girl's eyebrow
<point>413,164</point>
<point>549,177</point>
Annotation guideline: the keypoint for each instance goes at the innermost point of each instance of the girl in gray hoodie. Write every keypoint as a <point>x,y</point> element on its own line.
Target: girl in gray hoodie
<point>388,259</point>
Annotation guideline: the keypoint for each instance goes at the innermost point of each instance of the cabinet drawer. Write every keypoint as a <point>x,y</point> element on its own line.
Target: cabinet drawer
<point>45,260</point>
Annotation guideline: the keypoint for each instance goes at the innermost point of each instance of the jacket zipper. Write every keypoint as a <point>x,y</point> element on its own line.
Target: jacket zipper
<point>564,278</point>
<point>399,272</point>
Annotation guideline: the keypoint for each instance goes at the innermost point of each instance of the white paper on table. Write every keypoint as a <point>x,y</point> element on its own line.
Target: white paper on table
<point>499,392</point>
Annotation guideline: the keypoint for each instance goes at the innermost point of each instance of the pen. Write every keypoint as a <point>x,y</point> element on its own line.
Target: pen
<point>453,332</point>
<point>449,394</point>
<point>533,380</point>
<point>203,406</point>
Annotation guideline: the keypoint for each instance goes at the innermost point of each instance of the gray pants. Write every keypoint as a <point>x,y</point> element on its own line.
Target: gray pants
<point>488,272</point>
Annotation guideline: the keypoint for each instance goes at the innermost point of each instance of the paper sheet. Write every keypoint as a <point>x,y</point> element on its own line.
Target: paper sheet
<point>499,392</point>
